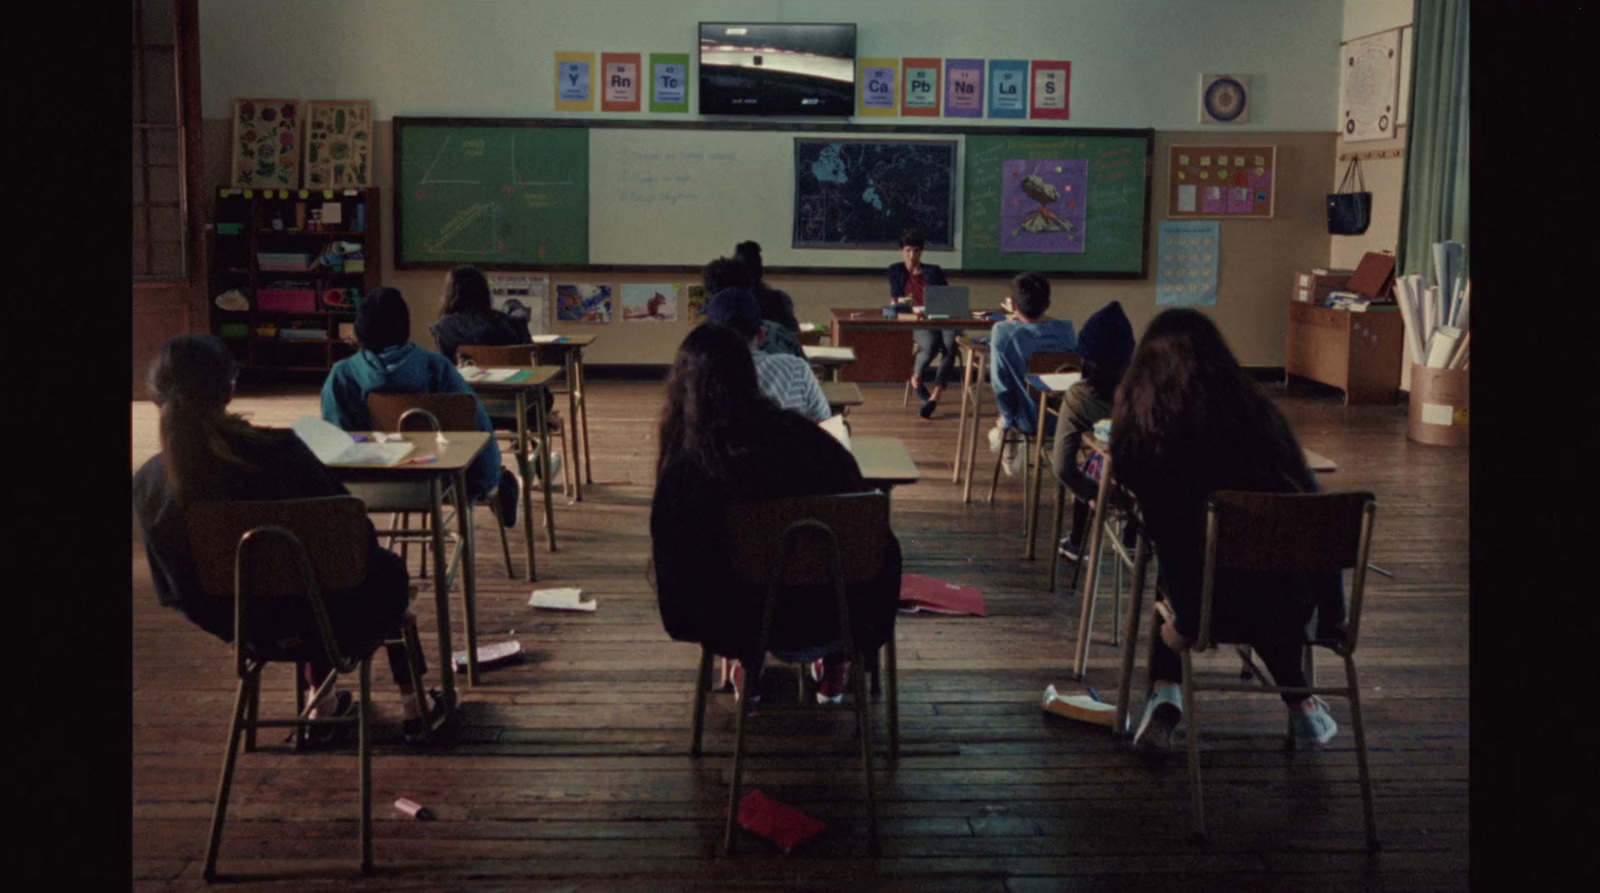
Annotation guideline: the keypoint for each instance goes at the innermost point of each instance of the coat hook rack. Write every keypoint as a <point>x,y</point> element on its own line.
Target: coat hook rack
<point>1373,154</point>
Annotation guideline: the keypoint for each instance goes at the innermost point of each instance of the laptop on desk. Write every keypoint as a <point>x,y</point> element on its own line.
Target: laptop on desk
<point>947,300</point>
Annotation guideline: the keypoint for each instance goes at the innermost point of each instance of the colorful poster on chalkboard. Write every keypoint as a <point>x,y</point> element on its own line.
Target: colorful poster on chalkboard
<point>574,82</point>
<point>669,82</point>
<point>578,302</point>
<point>1008,88</point>
<point>1044,205</point>
<point>620,90</point>
<point>1052,81</point>
<point>963,92</point>
<point>1188,253</point>
<point>266,143</point>
<point>919,95</point>
<point>338,143</point>
<point>697,304</point>
<point>878,86</point>
<point>650,303</point>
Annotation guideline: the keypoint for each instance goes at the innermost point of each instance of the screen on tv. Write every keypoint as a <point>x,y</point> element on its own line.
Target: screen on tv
<point>777,69</point>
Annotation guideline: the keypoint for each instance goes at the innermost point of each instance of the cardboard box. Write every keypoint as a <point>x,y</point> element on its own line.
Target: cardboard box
<point>1313,288</point>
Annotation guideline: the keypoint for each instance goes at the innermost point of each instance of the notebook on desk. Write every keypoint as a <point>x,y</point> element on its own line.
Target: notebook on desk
<point>951,301</point>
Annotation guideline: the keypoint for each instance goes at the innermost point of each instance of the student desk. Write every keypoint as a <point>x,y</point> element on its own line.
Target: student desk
<point>571,348</point>
<point>842,395</point>
<point>449,468</point>
<point>830,357</point>
<point>884,461</point>
<point>536,381</point>
<point>885,345</point>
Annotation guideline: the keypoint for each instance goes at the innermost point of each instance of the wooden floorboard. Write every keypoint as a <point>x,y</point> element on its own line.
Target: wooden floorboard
<point>568,771</point>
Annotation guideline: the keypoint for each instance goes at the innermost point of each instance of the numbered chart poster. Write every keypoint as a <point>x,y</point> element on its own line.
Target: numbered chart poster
<point>1008,88</point>
<point>266,143</point>
<point>919,94</point>
<point>338,143</point>
<point>1221,181</point>
<point>1051,83</point>
<point>574,82</point>
<point>650,303</point>
<point>579,302</point>
<point>1187,257</point>
<point>963,92</point>
<point>620,87</point>
<point>878,87</point>
<point>669,82</point>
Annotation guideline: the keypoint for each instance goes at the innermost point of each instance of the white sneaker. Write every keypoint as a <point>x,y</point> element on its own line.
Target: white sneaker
<point>555,466</point>
<point>996,436</point>
<point>1318,725</point>
<point>1015,456</point>
<point>1161,715</point>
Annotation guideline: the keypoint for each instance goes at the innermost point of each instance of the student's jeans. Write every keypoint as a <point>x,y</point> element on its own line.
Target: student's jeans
<point>1080,409</point>
<point>930,342</point>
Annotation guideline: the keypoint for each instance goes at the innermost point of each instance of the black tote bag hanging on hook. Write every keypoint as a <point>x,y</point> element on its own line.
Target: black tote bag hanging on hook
<point>1350,212</point>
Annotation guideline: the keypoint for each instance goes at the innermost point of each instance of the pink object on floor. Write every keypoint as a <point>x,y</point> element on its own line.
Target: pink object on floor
<point>919,593</point>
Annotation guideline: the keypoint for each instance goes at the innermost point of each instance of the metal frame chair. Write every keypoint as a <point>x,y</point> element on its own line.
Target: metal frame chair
<point>500,412</point>
<point>808,541</point>
<point>1275,532</point>
<point>1039,363</point>
<point>288,549</point>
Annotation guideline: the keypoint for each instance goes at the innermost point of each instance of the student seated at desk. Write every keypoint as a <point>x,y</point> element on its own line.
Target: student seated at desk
<point>1187,422</point>
<point>210,455</point>
<point>1106,345</point>
<point>722,439</point>
<point>908,281</point>
<point>788,380</point>
<point>388,363</point>
<point>1011,343</point>
<point>776,305</point>
<point>777,338</point>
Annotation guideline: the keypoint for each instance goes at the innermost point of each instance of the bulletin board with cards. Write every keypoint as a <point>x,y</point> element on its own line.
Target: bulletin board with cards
<point>1225,182</point>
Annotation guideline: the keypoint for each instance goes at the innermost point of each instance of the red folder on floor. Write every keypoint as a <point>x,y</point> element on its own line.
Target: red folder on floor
<point>919,593</point>
<point>778,822</point>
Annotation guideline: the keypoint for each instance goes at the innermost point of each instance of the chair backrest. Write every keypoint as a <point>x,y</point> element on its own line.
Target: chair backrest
<point>280,549</point>
<point>1287,532</point>
<point>453,412</point>
<point>757,531</point>
<point>500,355</point>
<point>1043,362</point>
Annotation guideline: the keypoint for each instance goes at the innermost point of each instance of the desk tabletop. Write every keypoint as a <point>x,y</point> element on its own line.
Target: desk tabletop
<point>842,393</point>
<point>873,317</point>
<point>572,342</point>
<point>884,461</point>
<point>456,454</point>
<point>828,355</point>
<point>540,377</point>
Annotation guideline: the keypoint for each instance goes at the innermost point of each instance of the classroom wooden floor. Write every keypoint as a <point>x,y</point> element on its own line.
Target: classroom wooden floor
<point>569,771</point>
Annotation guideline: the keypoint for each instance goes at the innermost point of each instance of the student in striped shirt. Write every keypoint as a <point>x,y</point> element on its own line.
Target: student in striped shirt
<point>787,379</point>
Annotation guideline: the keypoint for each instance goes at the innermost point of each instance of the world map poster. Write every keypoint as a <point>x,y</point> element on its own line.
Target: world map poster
<point>866,193</point>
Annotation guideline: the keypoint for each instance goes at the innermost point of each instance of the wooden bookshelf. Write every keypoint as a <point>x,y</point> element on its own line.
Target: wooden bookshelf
<point>251,223</point>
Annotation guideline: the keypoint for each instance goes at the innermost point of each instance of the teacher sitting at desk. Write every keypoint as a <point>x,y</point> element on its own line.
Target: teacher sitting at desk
<point>907,282</point>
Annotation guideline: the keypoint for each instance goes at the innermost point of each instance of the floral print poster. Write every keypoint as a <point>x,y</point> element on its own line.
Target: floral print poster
<point>338,143</point>
<point>266,143</point>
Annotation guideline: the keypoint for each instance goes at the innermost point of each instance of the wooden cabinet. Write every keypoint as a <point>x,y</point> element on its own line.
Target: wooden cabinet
<point>1359,353</point>
<point>300,278</point>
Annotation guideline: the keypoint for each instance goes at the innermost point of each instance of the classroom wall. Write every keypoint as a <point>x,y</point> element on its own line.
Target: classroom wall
<point>1135,64</point>
<point>1385,177</point>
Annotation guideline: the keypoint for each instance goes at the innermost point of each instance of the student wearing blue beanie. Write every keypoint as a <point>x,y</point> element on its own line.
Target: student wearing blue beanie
<point>1106,346</point>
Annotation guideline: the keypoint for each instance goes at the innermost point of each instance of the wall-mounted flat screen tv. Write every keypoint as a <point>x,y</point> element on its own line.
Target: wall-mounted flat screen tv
<point>777,69</point>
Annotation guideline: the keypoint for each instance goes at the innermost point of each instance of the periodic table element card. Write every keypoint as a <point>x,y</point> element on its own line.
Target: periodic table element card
<point>619,92</point>
<point>1230,182</point>
<point>919,86</point>
<point>1188,253</point>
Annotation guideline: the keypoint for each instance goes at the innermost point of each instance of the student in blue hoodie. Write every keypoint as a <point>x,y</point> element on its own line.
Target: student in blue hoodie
<point>1011,344</point>
<point>1106,346</point>
<point>389,363</point>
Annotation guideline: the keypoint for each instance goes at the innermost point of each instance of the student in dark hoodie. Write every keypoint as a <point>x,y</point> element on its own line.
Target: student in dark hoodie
<point>1106,346</point>
<point>389,363</point>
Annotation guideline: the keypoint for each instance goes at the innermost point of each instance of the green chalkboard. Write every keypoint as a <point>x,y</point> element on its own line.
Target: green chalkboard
<point>477,192</point>
<point>1116,202</point>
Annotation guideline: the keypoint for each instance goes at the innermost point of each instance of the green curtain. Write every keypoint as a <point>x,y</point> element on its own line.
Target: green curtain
<point>1434,207</point>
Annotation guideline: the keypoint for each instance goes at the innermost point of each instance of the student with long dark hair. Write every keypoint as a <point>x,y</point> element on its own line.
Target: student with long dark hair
<point>721,439</point>
<point>210,455</point>
<point>1188,422</point>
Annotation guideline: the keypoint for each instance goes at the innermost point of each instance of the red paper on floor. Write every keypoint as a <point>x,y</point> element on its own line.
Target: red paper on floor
<point>919,593</point>
<point>778,822</point>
